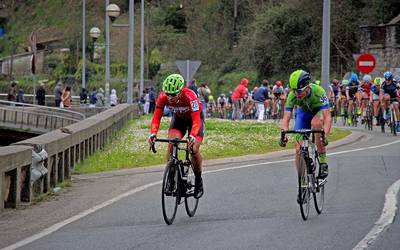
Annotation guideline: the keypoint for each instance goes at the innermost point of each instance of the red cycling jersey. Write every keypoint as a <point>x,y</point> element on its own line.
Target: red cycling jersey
<point>186,107</point>
<point>366,87</point>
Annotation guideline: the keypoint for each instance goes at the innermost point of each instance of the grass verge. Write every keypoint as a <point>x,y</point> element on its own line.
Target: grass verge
<point>224,138</point>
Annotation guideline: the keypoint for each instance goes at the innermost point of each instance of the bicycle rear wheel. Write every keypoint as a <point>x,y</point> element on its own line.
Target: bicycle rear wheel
<point>170,201</point>
<point>191,203</point>
<point>393,123</point>
<point>319,194</point>
<point>304,193</point>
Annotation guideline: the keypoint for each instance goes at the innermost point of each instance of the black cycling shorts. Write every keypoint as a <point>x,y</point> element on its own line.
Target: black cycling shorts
<point>185,125</point>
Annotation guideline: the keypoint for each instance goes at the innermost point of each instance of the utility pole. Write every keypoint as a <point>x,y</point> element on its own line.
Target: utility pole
<point>142,48</point>
<point>130,51</point>
<point>107,88</point>
<point>83,44</point>
<point>326,31</point>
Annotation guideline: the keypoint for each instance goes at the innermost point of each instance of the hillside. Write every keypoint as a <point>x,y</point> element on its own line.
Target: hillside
<point>266,39</point>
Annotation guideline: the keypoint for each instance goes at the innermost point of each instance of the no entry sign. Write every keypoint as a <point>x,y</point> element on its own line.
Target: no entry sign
<point>366,63</point>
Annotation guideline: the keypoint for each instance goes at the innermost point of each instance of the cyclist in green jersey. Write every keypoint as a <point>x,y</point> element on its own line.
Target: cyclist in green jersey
<point>312,111</point>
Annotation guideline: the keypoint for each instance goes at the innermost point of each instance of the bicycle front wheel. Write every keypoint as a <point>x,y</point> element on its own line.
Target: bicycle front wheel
<point>191,203</point>
<point>304,192</point>
<point>170,195</point>
<point>319,194</point>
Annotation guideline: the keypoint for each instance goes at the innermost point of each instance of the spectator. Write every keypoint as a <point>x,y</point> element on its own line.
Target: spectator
<point>136,94</point>
<point>66,97</point>
<point>222,104</point>
<point>58,91</point>
<point>20,96</point>
<point>12,92</point>
<point>101,100</point>
<point>152,98</point>
<point>146,101</point>
<point>261,98</point>
<point>83,97</point>
<point>193,86</point>
<point>238,94</point>
<point>93,98</point>
<point>113,98</point>
<point>41,93</point>
<point>203,93</point>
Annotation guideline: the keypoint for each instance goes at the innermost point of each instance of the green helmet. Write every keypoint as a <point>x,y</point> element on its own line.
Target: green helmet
<point>173,84</point>
<point>345,82</point>
<point>318,82</point>
<point>299,79</point>
<point>378,81</point>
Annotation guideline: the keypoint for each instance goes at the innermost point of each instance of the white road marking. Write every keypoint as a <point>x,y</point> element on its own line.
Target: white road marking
<point>387,217</point>
<point>61,224</point>
<point>389,212</point>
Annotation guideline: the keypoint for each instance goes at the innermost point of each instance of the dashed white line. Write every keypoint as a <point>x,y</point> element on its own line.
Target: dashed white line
<point>388,212</point>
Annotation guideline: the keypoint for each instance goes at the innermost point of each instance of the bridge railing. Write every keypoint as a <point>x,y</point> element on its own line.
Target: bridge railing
<point>36,118</point>
<point>65,147</point>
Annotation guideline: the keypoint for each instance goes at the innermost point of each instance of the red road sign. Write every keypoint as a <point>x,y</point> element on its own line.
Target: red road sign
<point>365,63</point>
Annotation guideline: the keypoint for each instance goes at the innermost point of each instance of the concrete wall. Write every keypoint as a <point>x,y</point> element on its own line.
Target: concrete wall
<point>65,150</point>
<point>384,42</point>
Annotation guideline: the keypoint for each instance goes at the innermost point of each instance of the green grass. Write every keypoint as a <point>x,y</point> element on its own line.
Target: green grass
<point>224,138</point>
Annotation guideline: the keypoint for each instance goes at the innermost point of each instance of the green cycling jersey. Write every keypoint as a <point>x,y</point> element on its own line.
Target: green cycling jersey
<point>314,102</point>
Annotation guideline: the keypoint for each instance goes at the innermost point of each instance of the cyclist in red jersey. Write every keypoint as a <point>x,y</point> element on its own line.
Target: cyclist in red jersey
<point>365,89</point>
<point>187,116</point>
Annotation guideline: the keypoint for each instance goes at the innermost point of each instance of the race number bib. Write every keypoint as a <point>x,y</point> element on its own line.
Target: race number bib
<point>324,99</point>
<point>195,105</point>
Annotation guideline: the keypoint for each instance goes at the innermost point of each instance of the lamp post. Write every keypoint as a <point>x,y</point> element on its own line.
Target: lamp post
<point>94,34</point>
<point>112,12</point>
<point>83,43</point>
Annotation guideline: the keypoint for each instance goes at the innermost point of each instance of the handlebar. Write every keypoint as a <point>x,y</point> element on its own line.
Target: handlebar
<point>153,148</point>
<point>302,131</point>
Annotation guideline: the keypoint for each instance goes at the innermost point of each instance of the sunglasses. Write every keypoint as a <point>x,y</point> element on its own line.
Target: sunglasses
<point>301,90</point>
<point>171,95</point>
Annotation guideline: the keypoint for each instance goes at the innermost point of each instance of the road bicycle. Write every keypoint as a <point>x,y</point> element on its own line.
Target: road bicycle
<point>178,182</point>
<point>391,119</point>
<point>309,162</point>
<point>334,109</point>
<point>369,118</point>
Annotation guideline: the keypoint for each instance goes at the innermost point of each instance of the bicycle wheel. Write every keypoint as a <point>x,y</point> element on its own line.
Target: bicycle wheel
<point>190,202</point>
<point>319,194</point>
<point>170,201</point>
<point>304,193</point>
<point>393,123</point>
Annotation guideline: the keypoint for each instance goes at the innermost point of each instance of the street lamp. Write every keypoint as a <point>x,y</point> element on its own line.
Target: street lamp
<point>112,12</point>
<point>94,33</point>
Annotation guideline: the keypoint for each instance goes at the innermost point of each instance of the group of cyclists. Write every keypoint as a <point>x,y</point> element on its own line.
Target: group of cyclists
<point>304,98</point>
<point>352,97</point>
<point>262,102</point>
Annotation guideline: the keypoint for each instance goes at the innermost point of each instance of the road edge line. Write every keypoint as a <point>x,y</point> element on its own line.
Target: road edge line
<point>387,217</point>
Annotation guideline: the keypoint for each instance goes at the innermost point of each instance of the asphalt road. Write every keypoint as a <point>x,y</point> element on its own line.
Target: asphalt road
<point>252,206</point>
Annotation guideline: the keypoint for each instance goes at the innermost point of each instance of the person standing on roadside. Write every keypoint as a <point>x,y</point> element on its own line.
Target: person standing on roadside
<point>113,98</point>
<point>238,94</point>
<point>83,97</point>
<point>261,98</point>
<point>204,92</point>
<point>20,96</point>
<point>152,98</point>
<point>41,94</point>
<point>12,92</point>
<point>58,91</point>
<point>66,97</point>
<point>93,98</point>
